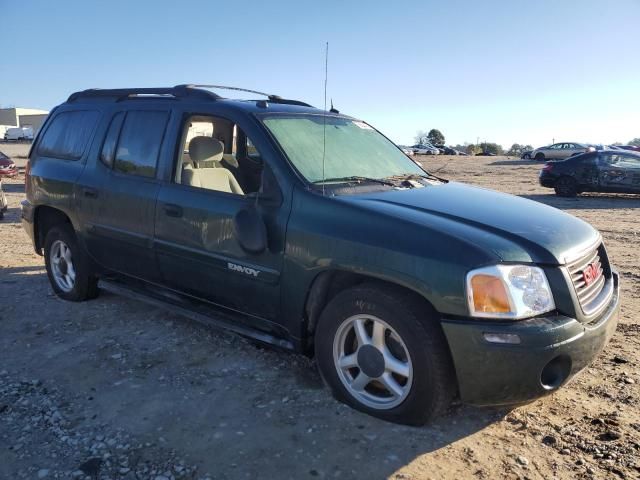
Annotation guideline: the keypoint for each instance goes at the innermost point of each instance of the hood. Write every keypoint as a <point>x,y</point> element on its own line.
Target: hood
<point>526,230</point>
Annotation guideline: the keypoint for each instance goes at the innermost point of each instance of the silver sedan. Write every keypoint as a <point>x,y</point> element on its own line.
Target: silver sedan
<point>559,151</point>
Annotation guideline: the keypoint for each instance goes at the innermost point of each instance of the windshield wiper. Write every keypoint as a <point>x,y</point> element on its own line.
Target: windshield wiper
<point>414,176</point>
<point>356,178</point>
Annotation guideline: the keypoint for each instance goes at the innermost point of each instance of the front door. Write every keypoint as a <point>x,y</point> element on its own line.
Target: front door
<point>117,194</point>
<point>195,239</point>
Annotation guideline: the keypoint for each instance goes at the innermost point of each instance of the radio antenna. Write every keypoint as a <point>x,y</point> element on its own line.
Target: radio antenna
<point>324,117</point>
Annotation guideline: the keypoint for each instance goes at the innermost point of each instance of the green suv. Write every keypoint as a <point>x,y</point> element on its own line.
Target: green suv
<point>310,230</point>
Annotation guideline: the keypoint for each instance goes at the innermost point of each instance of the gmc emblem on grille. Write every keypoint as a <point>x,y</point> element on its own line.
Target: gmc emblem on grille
<point>591,273</point>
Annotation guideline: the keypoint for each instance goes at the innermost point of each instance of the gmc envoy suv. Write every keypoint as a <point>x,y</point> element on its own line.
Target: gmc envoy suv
<point>309,230</point>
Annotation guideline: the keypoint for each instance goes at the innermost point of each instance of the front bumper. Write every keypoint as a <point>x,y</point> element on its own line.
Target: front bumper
<point>503,374</point>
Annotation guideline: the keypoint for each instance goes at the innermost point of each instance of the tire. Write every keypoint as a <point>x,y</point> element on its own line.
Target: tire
<point>566,187</point>
<point>61,249</point>
<point>417,363</point>
<point>539,157</point>
<point>526,156</point>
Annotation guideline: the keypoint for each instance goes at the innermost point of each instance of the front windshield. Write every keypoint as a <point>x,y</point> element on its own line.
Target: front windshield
<point>353,148</point>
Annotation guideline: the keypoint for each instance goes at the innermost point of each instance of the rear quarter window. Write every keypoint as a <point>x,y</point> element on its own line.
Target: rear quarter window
<point>68,135</point>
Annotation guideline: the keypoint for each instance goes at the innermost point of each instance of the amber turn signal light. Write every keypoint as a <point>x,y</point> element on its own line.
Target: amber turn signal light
<point>489,294</point>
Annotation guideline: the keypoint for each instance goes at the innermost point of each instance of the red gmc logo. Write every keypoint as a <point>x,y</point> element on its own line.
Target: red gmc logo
<point>591,273</point>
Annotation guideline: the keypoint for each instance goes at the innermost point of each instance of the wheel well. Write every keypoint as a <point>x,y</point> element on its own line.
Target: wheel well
<point>45,218</point>
<point>328,284</point>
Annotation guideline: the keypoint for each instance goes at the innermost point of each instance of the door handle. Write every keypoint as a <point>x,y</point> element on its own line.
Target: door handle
<point>172,210</point>
<point>90,192</point>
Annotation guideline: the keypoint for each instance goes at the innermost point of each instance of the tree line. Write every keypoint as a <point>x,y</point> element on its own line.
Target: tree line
<point>435,137</point>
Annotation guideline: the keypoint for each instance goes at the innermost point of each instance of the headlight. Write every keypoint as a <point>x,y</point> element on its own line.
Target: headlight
<point>509,292</point>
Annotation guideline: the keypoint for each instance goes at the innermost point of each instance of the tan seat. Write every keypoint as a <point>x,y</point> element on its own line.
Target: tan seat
<point>206,154</point>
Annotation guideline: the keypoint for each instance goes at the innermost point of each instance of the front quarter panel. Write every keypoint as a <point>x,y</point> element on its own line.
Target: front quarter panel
<point>325,233</point>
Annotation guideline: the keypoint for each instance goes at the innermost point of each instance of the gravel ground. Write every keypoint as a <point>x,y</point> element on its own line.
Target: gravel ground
<point>112,389</point>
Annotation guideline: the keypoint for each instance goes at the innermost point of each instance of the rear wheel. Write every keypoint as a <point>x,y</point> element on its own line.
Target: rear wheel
<point>526,156</point>
<point>68,267</point>
<point>383,353</point>
<point>539,156</point>
<point>566,187</point>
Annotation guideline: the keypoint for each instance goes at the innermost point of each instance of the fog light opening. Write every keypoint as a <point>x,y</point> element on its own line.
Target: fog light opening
<point>556,372</point>
<point>510,338</point>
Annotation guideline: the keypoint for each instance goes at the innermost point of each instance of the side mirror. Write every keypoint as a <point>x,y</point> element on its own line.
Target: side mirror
<point>250,230</point>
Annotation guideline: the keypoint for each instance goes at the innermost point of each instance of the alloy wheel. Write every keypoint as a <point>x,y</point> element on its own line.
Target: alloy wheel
<point>62,267</point>
<point>372,361</point>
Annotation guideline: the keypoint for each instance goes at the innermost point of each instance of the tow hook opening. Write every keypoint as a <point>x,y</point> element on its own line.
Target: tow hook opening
<point>555,372</point>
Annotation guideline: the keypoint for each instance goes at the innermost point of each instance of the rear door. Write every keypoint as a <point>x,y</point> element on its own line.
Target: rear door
<point>619,172</point>
<point>118,192</point>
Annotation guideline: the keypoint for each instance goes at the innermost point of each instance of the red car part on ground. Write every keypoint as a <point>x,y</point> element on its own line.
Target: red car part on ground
<point>8,167</point>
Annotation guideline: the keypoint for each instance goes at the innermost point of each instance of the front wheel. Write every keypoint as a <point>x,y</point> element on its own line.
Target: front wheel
<point>526,156</point>
<point>68,267</point>
<point>539,157</point>
<point>383,353</point>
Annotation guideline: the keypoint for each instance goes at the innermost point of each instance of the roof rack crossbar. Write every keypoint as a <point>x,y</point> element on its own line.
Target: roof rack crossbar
<point>272,98</point>
<point>222,87</point>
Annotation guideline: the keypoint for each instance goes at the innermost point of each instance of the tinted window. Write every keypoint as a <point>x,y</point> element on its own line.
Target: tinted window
<point>139,145</point>
<point>111,139</point>
<point>628,161</point>
<point>68,135</point>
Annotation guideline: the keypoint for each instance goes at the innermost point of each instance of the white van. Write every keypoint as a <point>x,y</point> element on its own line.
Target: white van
<point>19,133</point>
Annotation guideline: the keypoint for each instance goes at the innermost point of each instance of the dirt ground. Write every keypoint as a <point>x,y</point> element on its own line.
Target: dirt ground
<point>112,388</point>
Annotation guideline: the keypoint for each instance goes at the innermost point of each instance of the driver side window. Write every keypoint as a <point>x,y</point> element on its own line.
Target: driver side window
<point>212,157</point>
<point>608,160</point>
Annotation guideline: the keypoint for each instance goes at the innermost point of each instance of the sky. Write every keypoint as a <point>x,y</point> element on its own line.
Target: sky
<point>516,71</point>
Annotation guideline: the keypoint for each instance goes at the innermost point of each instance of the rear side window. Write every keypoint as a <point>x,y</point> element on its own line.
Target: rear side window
<point>68,135</point>
<point>139,145</point>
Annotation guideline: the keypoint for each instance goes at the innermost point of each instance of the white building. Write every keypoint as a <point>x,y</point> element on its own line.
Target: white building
<point>23,117</point>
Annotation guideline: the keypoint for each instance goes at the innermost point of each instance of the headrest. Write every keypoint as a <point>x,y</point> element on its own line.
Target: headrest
<point>205,149</point>
<point>230,158</point>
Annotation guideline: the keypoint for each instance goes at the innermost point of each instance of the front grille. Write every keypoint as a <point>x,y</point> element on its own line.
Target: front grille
<point>589,275</point>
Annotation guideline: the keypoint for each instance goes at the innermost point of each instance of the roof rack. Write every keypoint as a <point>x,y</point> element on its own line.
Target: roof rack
<point>179,91</point>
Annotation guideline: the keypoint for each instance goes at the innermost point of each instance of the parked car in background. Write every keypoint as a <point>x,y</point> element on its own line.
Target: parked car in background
<point>526,155</point>
<point>406,150</point>
<point>7,166</point>
<point>444,150</point>
<point>425,149</point>
<point>633,148</point>
<point>612,171</point>
<point>19,133</point>
<point>558,151</point>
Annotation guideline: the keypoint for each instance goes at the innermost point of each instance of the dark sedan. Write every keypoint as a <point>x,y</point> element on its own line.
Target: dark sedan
<point>7,166</point>
<point>633,148</point>
<point>614,171</point>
